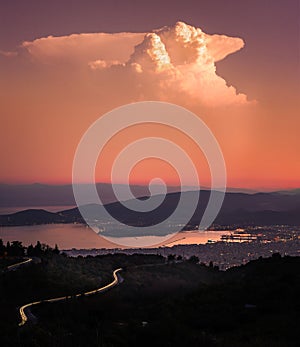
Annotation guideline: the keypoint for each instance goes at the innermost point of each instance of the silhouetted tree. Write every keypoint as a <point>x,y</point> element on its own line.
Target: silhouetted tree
<point>16,249</point>
<point>56,250</point>
<point>30,250</point>
<point>8,248</point>
<point>2,248</point>
<point>194,259</point>
<point>276,255</point>
<point>38,249</point>
<point>171,257</point>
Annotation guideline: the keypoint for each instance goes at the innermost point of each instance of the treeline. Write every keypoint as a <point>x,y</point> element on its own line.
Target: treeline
<point>192,259</point>
<point>16,249</point>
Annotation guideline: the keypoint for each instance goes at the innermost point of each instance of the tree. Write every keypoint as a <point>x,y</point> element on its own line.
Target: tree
<point>8,247</point>
<point>30,250</point>
<point>171,257</point>
<point>38,249</point>
<point>2,248</point>
<point>17,249</point>
<point>194,259</point>
<point>276,255</point>
<point>56,250</point>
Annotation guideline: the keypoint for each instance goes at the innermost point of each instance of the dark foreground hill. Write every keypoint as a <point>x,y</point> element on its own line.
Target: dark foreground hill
<point>158,304</point>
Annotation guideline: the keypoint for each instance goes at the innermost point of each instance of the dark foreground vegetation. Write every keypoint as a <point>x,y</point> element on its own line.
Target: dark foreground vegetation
<point>173,303</point>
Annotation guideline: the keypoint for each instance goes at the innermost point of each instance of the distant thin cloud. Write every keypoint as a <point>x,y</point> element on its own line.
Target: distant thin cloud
<point>8,54</point>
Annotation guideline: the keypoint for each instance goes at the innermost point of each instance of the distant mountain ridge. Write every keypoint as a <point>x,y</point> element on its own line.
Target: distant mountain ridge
<point>61,195</point>
<point>28,195</point>
<point>289,192</point>
<point>238,209</point>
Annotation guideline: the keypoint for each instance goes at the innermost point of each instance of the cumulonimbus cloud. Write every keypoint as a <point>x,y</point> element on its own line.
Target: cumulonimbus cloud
<point>54,88</point>
<point>166,64</point>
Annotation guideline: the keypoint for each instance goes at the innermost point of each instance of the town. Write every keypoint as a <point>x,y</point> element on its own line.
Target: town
<point>230,251</point>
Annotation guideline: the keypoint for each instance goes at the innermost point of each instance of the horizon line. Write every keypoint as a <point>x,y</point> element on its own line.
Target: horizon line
<point>140,184</point>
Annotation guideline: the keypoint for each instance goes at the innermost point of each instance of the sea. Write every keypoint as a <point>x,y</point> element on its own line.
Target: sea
<point>79,236</point>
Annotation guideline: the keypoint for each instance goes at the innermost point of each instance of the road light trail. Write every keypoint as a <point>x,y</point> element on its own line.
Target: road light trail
<point>24,317</point>
<point>15,266</point>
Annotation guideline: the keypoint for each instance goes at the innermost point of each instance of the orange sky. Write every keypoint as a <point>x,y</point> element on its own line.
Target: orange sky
<point>51,90</point>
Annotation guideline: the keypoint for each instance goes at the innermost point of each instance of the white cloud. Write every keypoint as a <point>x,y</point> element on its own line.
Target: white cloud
<point>219,46</point>
<point>175,64</point>
<point>181,59</point>
<point>83,48</point>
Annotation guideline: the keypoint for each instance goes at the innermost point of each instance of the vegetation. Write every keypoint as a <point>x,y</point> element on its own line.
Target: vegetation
<point>161,303</point>
<point>16,249</point>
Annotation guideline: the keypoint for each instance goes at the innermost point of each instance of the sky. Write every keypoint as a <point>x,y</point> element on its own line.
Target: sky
<point>234,63</point>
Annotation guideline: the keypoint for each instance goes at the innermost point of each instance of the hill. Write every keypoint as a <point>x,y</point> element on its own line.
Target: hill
<point>161,304</point>
<point>238,209</point>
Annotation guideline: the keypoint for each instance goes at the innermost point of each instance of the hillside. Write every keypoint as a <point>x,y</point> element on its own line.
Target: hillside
<point>176,304</point>
<point>238,209</point>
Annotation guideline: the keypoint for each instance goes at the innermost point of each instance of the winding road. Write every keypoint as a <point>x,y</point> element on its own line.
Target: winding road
<point>25,309</point>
